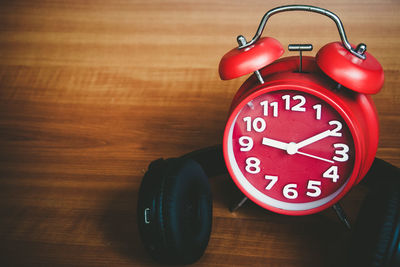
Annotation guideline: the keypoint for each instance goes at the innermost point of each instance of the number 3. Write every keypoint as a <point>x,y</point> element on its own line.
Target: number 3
<point>343,152</point>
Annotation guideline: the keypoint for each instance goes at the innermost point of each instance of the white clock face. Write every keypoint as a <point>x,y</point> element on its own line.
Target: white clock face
<point>289,150</point>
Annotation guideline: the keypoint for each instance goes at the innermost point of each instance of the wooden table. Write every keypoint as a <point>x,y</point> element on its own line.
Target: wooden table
<point>92,91</point>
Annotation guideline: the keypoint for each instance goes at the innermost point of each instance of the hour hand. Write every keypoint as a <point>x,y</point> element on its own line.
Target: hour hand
<point>274,143</point>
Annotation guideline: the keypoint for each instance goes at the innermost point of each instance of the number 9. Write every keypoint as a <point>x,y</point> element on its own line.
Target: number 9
<point>246,143</point>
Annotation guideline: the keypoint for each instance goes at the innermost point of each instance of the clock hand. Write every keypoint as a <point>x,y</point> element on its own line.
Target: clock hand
<point>313,139</point>
<point>274,143</point>
<point>315,157</point>
<point>289,147</point>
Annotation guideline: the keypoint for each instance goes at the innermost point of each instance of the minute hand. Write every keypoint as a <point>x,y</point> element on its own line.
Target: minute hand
<point>313,139</point>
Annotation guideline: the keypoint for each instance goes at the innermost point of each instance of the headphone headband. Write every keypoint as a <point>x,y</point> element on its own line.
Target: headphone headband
<point>383,174</point>
<point>211,160</point>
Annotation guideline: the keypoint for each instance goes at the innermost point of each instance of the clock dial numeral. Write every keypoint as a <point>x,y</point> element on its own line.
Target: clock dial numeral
<point>332,173</point>
<point>258,124</point>
<point>315,187</point>
<point>290,192</point>
<point>343,152</point>
<point>246,143</point>
<point>247,120</point>
<point>273,179</point>
<point>317,108</point>
<point>252,165</point>
<point>287,101</point>
<point>335,132</point>
<point>274,106</point>
<point>297,107</point>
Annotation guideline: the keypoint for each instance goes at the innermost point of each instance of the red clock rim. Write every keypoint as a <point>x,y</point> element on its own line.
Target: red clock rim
<point>271,87</point>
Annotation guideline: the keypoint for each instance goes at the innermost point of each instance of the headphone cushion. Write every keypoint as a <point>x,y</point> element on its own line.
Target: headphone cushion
<point>181,198</point>
<point>374,240</point>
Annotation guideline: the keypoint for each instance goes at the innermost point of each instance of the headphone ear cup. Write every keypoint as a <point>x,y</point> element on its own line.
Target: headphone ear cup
<point>175,211</point>
<point>376,236</point>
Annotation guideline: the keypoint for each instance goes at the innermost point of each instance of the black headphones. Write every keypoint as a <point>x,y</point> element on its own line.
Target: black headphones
<point>175,210</point>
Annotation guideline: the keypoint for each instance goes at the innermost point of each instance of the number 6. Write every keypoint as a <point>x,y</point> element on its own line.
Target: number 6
<point>290,192</point>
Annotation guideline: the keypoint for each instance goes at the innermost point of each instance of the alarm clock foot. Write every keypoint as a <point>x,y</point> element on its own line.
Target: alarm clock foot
<point>342,215</point>
<point>236,205</point>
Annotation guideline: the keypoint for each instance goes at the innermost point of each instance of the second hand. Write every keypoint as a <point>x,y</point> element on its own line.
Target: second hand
<point>315,157</point>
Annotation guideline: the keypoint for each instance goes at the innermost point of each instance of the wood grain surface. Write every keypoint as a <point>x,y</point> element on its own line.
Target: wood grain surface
<point>92,91</point>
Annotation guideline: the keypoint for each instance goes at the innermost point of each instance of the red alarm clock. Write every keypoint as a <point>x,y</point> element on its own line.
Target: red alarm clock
<point>302,131</point>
